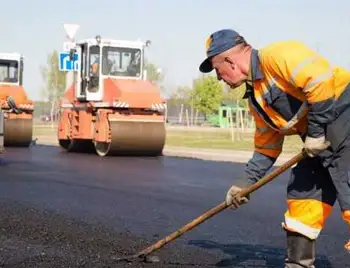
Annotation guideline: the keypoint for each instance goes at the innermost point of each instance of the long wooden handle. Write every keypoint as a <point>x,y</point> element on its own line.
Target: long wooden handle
<point>210,213</point>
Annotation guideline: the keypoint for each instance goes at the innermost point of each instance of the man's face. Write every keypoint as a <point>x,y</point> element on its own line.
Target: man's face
<point>229,70</point>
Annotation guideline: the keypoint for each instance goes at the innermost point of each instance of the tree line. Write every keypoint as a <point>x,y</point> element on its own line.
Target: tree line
<point>207,94</point>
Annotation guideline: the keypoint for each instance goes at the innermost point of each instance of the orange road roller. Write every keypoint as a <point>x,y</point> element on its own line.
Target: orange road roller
<point>109,107</point>
<point>1,132</point>
<point>16,107</point>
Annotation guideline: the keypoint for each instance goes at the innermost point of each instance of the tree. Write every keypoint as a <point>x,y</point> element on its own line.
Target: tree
<point>152,73</point>
<point>181,96</point>
<point>155,75</point>
<point>54,80</point>
<point>207,94</point>
<point>236,94</point>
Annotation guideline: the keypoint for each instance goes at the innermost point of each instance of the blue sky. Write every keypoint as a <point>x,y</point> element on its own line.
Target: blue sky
<point>177,29</point>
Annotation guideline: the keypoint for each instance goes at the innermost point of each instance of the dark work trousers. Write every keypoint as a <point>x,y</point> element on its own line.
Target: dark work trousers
<point>317,183</point>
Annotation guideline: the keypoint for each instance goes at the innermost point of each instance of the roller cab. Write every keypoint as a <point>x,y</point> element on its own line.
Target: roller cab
<point>109,107</point>
<point>16,107</point>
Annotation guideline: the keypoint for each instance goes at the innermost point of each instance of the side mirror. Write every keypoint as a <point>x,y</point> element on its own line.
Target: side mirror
<point>148,43</point>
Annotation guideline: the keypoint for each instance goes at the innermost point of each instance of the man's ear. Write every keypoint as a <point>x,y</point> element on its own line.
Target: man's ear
<point>231,62</point>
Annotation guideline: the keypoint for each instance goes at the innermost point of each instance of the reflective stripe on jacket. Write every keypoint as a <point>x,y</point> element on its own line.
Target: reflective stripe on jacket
<point>295,91</point>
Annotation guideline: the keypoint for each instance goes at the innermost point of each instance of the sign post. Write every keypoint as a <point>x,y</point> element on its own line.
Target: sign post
<point>65,63</point>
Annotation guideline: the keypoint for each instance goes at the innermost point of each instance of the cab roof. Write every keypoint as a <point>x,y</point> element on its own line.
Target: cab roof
<point>11,56</point>
<point>113,42</point>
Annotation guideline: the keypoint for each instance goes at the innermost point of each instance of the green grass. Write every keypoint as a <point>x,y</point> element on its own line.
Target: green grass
<point>194,138</point>
<point>44,130</point>
<point>223,140</point>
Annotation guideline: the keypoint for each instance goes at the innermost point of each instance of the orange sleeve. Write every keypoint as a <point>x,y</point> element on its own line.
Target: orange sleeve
<point>267,141</point>
<point>268,145</point>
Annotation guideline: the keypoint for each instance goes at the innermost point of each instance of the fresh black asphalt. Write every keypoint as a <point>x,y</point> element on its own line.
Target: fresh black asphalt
<point>61,209</point>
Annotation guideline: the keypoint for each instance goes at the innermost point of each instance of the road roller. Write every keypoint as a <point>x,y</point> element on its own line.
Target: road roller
<point>1,132</point>
<point>109,107</point>
<point>16,107</point>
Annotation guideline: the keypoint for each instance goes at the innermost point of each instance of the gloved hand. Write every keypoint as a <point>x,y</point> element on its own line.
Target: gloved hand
<point>314,146</point>
<point>233,197</point>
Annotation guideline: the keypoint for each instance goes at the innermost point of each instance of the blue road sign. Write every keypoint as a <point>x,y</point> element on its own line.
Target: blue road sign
<point>66,64</point>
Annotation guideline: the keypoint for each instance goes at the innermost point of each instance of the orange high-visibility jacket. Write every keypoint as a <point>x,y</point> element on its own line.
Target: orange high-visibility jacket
<point>294,91</point>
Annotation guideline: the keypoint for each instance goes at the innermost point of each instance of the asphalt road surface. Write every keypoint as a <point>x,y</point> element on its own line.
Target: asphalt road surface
<point>74,210</point>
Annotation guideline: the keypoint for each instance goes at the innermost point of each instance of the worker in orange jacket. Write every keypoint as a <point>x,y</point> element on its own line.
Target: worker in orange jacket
<point>292,90</point>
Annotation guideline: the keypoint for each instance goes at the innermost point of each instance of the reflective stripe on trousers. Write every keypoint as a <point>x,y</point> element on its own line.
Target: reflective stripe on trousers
<point>316,183</point>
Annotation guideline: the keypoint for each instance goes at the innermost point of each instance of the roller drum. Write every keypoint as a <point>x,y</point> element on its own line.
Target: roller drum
<point>18,132</point>
<point>77,146</point>
<point>134,138</point>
